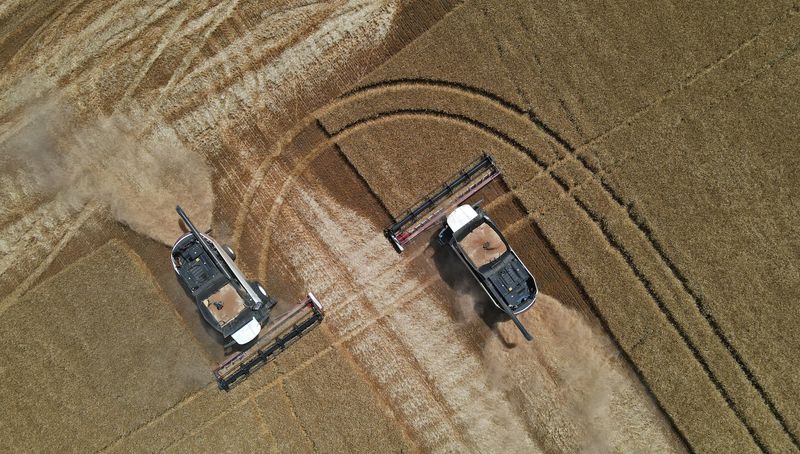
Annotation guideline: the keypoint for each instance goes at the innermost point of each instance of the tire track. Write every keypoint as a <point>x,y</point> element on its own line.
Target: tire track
<point>321,266</point>
<point>395,305</point>
<point>360,124</point>
<point>249,63</point>
<point>691,79</point>
<point>459,88</point>
<point>359,28</point>
<point>636,219</point>
<point>615,340</point>
<point>310,361</point>
<point>163,43</point>
<point>648,286</point>
<point>391,286</point>
<point>179,73</point>
<point>316,216</point>
<point>364,122</point>
<point>438,393</point>
<point>410,391</point>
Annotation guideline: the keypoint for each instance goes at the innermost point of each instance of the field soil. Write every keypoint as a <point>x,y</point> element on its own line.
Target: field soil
<point>649,176</point>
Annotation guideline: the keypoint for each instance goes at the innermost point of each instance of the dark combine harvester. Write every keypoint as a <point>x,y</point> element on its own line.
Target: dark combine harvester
<point>240,310</point>
<point>474,238</point>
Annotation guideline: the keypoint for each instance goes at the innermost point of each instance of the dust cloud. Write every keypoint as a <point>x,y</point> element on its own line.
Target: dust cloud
<point>137,170</point>
<point>581,395</point>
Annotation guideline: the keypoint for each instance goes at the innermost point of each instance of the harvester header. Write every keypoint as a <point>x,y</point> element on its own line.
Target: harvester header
<point>276,338</point>
<point>441,202</point>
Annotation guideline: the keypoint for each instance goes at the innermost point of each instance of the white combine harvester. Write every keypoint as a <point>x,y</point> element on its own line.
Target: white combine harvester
<point>474,238</point>
<point>240,310</point>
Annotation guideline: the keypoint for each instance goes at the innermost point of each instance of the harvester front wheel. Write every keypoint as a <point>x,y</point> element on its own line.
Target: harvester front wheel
<point>263,294</point>
<point>259,290</point>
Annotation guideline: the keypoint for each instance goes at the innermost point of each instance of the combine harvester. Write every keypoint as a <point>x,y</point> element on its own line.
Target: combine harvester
<point>474,238</point>
<point>240,310</point>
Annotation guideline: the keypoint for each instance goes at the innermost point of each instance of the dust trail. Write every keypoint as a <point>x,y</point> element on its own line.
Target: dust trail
<point>138,173</point>
<point>571,391</point>
<point>441,374</point>
<point>582,396</point>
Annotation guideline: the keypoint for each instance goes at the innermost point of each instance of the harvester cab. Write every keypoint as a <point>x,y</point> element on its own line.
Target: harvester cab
<point>474,238</point>
<point>240,310</point>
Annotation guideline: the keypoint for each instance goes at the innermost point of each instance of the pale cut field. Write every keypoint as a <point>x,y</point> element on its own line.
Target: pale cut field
<point>105,108</point>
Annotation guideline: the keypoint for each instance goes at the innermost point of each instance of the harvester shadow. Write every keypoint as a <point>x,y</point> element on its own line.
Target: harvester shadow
<point>458,277</point>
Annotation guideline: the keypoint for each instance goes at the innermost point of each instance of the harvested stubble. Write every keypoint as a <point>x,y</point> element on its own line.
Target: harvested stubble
<point>227,79</point>
<point>209,412</point>
<point>241,430</point>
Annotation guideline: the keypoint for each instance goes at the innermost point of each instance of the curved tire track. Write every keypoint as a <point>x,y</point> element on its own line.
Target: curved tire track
<point>290,177</point>
<point>636,220</point>
<point>639,224</point>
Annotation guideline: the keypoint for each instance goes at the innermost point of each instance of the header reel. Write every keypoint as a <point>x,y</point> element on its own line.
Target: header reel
<point>438,204</point>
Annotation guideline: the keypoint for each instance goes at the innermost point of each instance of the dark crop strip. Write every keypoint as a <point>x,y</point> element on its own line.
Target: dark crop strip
<point>648,286</point>
<point>447,116</point>
<point>355,170</point>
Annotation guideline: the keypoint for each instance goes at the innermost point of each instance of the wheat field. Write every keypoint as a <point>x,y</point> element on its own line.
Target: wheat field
<point>649,182</point>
